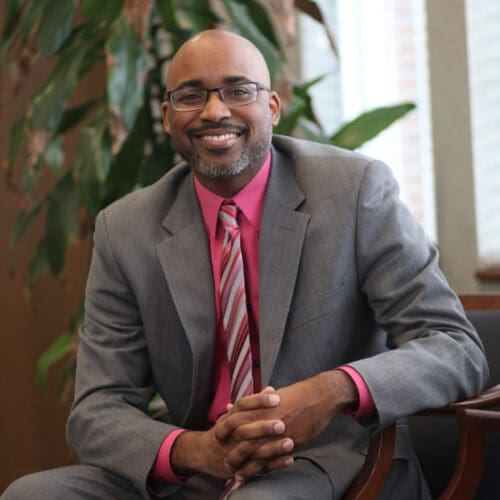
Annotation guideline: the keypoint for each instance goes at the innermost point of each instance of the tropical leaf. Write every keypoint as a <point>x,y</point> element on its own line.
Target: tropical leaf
<point>241,16</point>
<point>38,264</point>
<point>313,10</point>
<point>366,126</point>
<point>24,26</point>
<point>74,115</point>
<point>166,10</point>
<point>289,120</point>
<point>55,25</point>
<point>127,63</point>
<point>48,102</point>
<point>62,223</point>
<point>198,14</point>
<point>125,168</point>
<point>93,159</point>
<point>300,106</point>
<point>23,221</point>
<point>55,352</point>
<point>260,18</point>
<point>12,11</point>
<point>31,173</point>
<point>17,137</point>
<point>53,155</point>
<point>99,10</point>
<point>312,132</point>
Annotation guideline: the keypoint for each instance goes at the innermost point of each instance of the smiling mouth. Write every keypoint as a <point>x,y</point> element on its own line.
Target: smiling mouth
<point>218,138</point>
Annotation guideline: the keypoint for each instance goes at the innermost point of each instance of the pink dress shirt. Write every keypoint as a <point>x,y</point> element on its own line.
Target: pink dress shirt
<point>251,201</point>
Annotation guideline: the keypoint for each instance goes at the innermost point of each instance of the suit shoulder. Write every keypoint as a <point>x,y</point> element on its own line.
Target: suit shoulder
<point>153,199</point>
<point>311,154</point>
<point>316,164</point>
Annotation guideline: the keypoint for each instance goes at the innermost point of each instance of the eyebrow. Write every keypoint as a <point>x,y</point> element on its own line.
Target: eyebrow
<point>227,80</point>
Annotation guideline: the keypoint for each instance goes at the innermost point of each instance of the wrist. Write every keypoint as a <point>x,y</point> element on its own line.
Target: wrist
<point>186,454</point>
<point>342,392</point>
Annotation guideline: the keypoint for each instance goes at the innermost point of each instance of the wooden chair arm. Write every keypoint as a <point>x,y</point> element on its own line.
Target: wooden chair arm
<point>473,419</point>
<point>487,399</point>
<point>473,424</point>
<point>370,480</point>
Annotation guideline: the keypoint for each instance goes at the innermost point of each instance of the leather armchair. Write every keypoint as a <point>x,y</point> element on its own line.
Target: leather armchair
<point>438,440</point>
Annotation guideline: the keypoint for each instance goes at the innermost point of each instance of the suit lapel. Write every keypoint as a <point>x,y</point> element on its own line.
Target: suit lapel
<point>185,259</point>
<point>282,235</point>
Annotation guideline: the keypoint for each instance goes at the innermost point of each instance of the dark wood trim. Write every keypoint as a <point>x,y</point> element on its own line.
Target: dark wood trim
<point>488,274</point>
<point>480,301</point>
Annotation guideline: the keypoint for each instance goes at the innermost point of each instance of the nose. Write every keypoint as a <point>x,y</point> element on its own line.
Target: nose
<point>214,110</point>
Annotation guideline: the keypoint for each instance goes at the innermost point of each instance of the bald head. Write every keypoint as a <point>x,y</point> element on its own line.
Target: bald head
<point>225,144</point>
<point>217,49</point>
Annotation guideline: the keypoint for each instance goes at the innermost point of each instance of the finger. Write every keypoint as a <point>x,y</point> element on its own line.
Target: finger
<point>267,390</point>
<point>258,430</point>
<point>241,453</point>
<point>257,401</point>
<point>273,449</point>
<point>259,467</point>
<point>244,412</point>
<point>251,469</point>
<point>257,449</point>
<point>278,463</point>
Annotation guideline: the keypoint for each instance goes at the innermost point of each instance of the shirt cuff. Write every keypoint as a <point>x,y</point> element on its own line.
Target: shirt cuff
<point>162,471</point>
<point>366,405</point>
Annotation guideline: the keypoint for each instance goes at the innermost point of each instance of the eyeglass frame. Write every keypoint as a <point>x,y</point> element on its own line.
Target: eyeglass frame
<point>258,85</point>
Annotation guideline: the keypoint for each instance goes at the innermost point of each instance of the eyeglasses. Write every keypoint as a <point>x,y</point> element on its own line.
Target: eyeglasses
<point>194,99</point>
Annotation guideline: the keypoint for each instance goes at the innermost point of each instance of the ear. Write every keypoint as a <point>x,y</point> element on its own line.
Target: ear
<point>275,106</point>
<point>166,122</point>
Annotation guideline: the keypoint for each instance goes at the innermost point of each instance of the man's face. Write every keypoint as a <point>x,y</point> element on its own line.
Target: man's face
<point>220,141</point>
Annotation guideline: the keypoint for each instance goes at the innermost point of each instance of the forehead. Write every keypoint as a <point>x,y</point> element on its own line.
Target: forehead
<point>215,61</point>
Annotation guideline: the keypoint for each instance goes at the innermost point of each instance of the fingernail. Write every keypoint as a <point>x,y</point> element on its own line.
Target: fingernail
<point>239,478</point>
<point>279,427</point>
<point>273,399</point>
<point>288,445</point>
<point>289,461</point>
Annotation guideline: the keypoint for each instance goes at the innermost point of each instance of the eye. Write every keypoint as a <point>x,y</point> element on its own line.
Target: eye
<point>189,95</point>
<point>238,91</point>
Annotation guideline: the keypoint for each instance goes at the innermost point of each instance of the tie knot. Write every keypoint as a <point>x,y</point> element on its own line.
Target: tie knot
<point>227,215</point>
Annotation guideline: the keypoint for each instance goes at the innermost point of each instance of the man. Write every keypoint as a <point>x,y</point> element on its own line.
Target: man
<point>342,316</point>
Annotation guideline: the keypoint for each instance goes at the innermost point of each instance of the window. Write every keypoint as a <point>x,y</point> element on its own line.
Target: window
<point>483,36</point>
<point>382,47</point>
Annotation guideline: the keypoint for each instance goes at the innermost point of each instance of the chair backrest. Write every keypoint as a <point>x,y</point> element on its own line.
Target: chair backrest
<point>436,438</point>
<point>483,311</point>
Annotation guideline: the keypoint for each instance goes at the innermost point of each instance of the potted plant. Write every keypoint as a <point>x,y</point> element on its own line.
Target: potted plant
<point>122,145</point>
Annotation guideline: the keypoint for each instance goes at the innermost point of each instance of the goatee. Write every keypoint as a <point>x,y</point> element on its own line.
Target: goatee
<point>254,156</point>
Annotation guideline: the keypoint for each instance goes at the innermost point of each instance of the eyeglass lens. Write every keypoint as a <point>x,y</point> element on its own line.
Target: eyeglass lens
<point>234,95</point>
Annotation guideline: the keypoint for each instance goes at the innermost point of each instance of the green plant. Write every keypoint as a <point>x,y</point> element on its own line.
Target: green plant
<point>122,146</point>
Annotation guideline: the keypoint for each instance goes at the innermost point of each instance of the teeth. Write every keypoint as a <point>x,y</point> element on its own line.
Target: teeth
<point>223,137</point>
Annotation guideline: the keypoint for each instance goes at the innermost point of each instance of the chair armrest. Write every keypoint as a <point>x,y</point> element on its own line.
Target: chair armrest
<point>473,424</point>
<point>474,420</point>
<point>486,399</point>
<point>376,467</point>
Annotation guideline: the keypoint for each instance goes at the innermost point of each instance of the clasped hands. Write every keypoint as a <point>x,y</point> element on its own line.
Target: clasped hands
<point>259,432</point>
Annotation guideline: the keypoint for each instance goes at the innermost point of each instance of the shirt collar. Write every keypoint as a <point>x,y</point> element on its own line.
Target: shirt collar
<point>250,199</point>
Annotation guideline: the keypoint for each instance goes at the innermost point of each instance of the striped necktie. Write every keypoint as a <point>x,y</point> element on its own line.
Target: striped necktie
<point>234,305</point>
<point>234,314</point>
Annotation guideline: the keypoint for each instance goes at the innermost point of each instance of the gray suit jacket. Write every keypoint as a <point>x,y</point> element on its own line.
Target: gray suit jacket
<point>346,277</point>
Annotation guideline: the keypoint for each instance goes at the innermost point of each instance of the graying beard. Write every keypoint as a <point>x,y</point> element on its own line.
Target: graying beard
<point>207,169</point>
<point>230,169</point>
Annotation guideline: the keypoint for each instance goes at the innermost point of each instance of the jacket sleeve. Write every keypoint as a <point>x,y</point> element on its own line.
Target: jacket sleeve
<point>109,426</point>
<point>435,355</point>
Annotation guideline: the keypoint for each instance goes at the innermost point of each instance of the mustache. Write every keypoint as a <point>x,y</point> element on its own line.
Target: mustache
<point>210,128</point>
